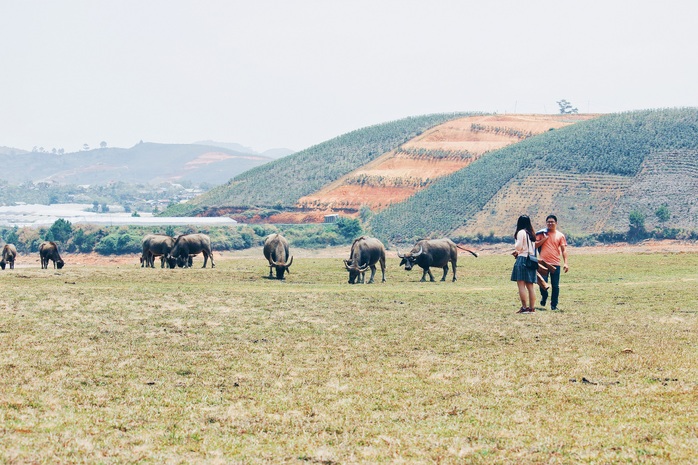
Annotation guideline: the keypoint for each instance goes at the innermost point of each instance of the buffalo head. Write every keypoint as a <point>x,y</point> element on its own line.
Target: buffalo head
<point>355,271</point>
<point>410,258</point>
<point>281,267</point>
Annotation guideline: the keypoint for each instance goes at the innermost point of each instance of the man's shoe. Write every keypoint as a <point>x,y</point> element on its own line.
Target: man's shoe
<point>542,301</point>
<point>553,308</point>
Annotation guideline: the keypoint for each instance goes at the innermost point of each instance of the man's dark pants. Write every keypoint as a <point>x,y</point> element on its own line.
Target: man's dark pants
<point>555,283</point>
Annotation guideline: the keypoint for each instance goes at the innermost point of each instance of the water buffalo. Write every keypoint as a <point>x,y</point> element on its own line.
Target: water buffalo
<point>187,245</point>
<point>365,253</point>
<point>276,252</point>
<point>434,252</point>
<point>156,245</point>
<point>48,250</point>
<point>9,253</point>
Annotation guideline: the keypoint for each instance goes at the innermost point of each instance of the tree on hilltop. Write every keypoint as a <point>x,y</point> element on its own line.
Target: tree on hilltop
<point>566,107</point>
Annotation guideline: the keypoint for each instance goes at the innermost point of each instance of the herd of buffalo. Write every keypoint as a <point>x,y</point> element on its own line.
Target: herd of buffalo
<point>365,253</point>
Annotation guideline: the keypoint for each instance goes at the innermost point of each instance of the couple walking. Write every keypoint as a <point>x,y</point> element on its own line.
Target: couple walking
<point>552,245</point>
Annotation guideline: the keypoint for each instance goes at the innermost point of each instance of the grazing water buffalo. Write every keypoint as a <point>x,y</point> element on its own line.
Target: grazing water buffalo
<point>187,245</point>
<point>365,253</point>
<point>434,252</point>
<point>48,250</point>
<point>9,253</point>
<point>276,252</point>
<point>156,245</point>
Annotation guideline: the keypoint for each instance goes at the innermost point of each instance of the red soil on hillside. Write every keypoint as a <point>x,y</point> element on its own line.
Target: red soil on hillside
<point>404,175</point>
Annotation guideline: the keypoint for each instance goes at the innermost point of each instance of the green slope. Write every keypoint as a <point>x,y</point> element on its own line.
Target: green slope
<point>282,182</point>
<point>615,144</point>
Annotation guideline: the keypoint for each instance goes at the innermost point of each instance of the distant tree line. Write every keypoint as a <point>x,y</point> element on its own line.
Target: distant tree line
<point>119,240</point>
<point>132,197</point>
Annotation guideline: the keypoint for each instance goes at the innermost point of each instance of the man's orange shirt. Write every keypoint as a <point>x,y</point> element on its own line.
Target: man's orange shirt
<point>550,250</point>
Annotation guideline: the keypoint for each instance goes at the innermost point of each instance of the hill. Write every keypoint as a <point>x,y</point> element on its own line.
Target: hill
<point>591,175</point>
<point>281,183</point>
<point>415,165</point>
<point>146,163</point>
<point>473,175</point>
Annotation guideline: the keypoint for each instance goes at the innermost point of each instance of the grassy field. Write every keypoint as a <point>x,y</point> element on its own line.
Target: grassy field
<point>118,364</point>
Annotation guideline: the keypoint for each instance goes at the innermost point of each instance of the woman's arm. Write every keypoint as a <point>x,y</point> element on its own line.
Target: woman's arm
<point>521,245</point>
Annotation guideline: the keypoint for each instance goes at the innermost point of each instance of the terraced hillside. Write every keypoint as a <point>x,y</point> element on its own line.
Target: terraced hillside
<point>588,198</point>
<point>667,178</point>
<point>475,174</point>
<point>281,183</point>
<point>591,174</point>
<point>415,165</point>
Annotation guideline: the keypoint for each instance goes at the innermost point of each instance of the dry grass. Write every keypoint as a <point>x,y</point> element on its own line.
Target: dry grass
<point>114,364</point>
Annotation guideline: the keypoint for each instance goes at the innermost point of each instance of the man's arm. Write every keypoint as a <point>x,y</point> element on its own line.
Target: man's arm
<point>563,249</point>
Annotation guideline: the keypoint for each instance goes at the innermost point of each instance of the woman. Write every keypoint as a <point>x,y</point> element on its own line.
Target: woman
<point>524,276</point>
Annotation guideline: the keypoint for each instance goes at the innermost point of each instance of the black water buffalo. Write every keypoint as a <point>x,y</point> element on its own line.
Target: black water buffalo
<point>156,245</point>
<point>9,253</point>
<point>188,245</point>
<point>48,250</point>
<point>365,253</point>
<point>276,252</point>
<point>434,252</point>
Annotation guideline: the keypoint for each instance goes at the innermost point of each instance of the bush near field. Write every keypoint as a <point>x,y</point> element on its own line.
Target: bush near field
<point>120,240</point>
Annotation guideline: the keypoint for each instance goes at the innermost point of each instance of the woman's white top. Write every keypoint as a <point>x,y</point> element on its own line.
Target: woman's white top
<point>524,246</point>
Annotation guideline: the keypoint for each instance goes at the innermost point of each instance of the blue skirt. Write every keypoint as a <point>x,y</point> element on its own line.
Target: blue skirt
<point>521,273</point>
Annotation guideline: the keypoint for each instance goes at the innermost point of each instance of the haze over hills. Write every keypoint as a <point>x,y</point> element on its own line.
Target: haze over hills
<point>271,153</point>
<point>426,176</point>
<point>144,163</point>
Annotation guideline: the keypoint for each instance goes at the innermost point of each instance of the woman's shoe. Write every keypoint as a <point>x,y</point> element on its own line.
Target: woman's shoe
<point>522,310</point>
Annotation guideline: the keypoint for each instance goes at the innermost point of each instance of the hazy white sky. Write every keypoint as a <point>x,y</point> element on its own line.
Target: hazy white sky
<point>292,74</point>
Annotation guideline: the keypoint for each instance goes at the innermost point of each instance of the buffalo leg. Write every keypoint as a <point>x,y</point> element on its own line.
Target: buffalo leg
<point>453,265</point>
<point>443,278</point>
<point>373,273</point>
<point>208,256</point>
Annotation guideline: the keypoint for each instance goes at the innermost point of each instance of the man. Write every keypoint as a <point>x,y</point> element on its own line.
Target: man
<point>552,245</point>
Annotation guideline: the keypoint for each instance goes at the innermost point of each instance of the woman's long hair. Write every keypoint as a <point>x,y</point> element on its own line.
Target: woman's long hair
<point>524,222</point>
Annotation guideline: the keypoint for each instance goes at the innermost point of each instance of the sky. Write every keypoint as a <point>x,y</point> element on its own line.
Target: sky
<point>295,73</point>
